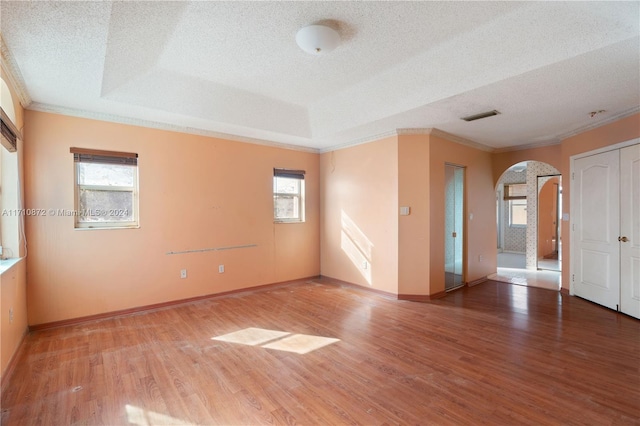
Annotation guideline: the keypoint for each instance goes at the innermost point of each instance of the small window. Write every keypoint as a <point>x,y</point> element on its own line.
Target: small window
<point>106,189</point>
<point>517,213</point>
<point>288,195</point>
<point>516,196</point>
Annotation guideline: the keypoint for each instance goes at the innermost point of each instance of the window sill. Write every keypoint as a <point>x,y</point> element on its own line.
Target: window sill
<point>98,228</point>
<point>7,264</point>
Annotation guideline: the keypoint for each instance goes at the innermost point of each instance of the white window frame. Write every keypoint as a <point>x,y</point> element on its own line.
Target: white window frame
<point>515,200</point>
<point>518,202</point>
<point>292,174</point>
<point>114,156</point>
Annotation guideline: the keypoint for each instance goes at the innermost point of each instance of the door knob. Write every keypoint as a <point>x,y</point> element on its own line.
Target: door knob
<point>623,239</point>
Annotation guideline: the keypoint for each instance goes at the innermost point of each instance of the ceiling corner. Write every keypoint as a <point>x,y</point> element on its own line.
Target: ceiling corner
<point>13,74</point>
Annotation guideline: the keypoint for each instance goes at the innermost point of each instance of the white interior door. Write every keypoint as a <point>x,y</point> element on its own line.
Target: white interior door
<point>596,226</point>
<point>630,230</point>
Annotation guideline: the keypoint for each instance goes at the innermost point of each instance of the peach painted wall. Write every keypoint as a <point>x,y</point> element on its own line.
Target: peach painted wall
<point>13,280</point>
<point>196,193</point>
<point>547,199</point>
<point>359,187</point>
<point>480,203</point>
<point>413,230</point>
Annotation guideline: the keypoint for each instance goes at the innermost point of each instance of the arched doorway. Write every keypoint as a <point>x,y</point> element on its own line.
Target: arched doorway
<point>517,206</point>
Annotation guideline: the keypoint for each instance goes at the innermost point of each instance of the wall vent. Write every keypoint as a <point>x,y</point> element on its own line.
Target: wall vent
<point>481,115</point>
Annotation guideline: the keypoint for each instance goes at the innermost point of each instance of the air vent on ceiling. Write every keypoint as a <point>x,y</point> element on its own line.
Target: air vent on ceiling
<point>481,115</point>
<point>9,133</point>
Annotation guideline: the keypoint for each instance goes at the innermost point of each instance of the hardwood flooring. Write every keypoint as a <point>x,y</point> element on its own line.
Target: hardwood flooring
<point>491,354</point>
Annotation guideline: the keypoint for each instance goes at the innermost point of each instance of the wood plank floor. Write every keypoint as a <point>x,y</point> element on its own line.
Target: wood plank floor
<point>495,353</point>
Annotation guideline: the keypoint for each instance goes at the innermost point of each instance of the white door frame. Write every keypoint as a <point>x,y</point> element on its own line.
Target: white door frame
<point>574,200</point>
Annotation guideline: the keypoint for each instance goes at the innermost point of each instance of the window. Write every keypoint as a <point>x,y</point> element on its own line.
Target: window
<point>106,189</point>
<point>288,195</point>
<point>516,196</point>
<point>11,219</point>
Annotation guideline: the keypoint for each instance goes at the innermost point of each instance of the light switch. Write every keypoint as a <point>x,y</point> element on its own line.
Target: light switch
<point>404,211</point>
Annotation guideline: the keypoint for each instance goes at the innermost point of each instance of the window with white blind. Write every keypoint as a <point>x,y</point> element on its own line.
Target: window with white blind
<point>516,196</point>
<point>106,189</point>
<point>288,195</point>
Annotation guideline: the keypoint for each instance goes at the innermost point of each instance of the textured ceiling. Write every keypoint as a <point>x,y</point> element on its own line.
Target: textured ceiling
<point>234,68</point>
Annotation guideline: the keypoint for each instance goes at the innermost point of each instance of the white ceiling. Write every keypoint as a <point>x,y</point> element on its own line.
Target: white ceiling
<point>234,67</point>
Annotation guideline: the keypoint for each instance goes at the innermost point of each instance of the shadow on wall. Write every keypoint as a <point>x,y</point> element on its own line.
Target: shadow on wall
<point>356,246</point>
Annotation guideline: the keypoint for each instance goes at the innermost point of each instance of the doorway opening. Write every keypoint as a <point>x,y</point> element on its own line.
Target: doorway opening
<point>518,213</point>
<point>454,227</point>
<point>549,218</point>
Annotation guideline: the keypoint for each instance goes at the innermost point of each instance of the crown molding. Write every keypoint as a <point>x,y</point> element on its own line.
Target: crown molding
<point>410,131</point>
<point>462,141</point>
<point>112,118</point>
<point>624,114</point>
<point>549,142</point>
<point>13,74</point>
<point>557,139</point>
<point>359,141</point>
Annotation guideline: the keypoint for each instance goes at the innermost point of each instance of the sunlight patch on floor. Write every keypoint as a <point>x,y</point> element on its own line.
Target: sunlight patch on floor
<point>252,336</point>
<point>550,280</point>
<point>141,417</point>
<point>301,343</point>
<point>278,340</point>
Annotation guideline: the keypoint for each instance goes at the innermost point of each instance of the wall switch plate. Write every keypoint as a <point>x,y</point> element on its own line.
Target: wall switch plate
<point>220,269</point>
<point>365,264</point>
<point>183,273</point>
<point>405,211</point>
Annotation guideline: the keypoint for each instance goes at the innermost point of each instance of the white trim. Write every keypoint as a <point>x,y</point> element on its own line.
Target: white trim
<point>541,144</point>
<point>603,149</point>
<point>409,131</point>
<point>457,139</point>
<point>609,120</point>
<point>112,118</point>
<point>360,141</point>
<point>13,74</point>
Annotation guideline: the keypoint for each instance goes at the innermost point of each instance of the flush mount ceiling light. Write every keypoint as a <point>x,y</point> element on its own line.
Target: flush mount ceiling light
<point>317,39</point>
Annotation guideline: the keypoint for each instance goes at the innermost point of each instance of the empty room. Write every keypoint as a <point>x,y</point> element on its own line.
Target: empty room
<point>319,213</point>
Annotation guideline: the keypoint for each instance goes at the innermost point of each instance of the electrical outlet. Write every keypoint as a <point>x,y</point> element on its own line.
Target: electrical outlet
<point>480,258</point>
<point>220,269</point>
<point>183,273</point>
<point>365,264</point>
<point>10,315</point>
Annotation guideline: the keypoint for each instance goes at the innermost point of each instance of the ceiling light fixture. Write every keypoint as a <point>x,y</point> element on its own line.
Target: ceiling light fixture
<point>317,39</point>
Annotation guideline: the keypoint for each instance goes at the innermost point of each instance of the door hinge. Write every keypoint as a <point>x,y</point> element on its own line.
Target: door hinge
<point>573,277</point>
<point>573,175</point>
